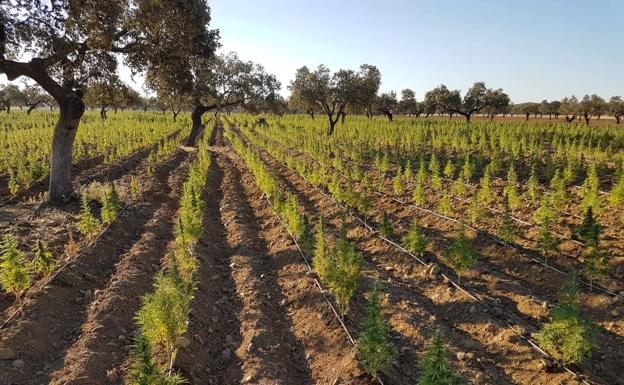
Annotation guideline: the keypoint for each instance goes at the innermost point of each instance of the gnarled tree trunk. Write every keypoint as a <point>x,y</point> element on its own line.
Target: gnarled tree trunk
<point>103,113</point>
<point>71,110</point>
<point>197,126</point>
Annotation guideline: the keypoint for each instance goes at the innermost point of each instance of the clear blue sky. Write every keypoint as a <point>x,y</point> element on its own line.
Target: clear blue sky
<point>532,49</point>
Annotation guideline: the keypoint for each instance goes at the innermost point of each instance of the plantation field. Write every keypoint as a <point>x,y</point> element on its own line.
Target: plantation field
<point>273,253</point>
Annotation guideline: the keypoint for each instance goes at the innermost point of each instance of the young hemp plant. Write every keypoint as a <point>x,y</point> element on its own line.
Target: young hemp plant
<point>375,350</point>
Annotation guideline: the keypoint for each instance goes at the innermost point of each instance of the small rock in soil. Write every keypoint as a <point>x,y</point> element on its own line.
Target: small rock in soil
<point>183,342</point>
<point>461,356</point>
<point>6,353</point>
<point>311,274</point>
<point>18,364</point>
<point>112,375</point>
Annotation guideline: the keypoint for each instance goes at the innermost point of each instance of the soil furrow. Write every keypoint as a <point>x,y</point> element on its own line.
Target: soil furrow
<point>329,354</point>
<point>51,322</point>
<point>213,319</point>
<point>267,347</point>
<point>107,332</point>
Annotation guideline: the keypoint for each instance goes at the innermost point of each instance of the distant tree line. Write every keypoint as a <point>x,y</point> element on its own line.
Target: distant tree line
<point>349,92</point>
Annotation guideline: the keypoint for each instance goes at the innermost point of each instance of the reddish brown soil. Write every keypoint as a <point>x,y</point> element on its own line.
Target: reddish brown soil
<point>59,326</point>
<point>495,339</point>
<point>304,322</point>
<point>33,221</point>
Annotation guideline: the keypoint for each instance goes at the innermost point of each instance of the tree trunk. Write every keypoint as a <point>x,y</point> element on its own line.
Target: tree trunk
<point>343,117</point>
<point>312,115</point>
<point>468,116</point>
<point>527,116</point>
<point>197,126</point>
<point>332,126</point>
<point>32,107</point>
<point>587,117</point>
<point>71,110</point>
<point>175,115</point>
<point>8,108</point>
<point>103,113</point>
<point>618,119</point>
<point>115,109</point>
<point>389,116</point>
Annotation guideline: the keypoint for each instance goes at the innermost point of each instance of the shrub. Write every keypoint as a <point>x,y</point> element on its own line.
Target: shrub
<point>111,204</point>
<point>506,229</point>
<point>444,206</point>
<point>449,169</point>
<point>414,240</point>
<point>385,226</point>
<point>591,189</point>
<point>589,231</point>
<point>143,368</point>
<point>435,366</point>
<point>344,272</point>
<point>596,264</point>
<point>559,193</point>
<point>162,319</point>
<point>43,261</point>
<point>88,225</point>
<point>321,261</point>
<point>533,186</point>
<point>567,336</point>
<point>397,183</point>
<point>306,238</point>
<point>14,270</point>
<point>461,255</point>
<point>511,188</point>
<point>375,350</point>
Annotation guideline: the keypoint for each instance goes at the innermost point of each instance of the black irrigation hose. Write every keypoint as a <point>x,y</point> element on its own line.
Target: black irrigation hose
<point>581,377</point>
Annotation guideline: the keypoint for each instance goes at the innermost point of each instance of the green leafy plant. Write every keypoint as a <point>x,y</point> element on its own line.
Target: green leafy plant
<point>511,188</point>
<point>397,183</point>
<point>589,231</point>
<point>449,169</point>
<point>533,186</point>
<point>591,189</point>
<point>385,226</point>
<point>444,206</point>
<point>461,255</point>
<point>111,204</point>
<point>43,261</point>
<point>596,264</point>
<point>88,225</point>
<point>506,229</point>
<point>322,256</point>
<point>567,336</point>
<point>375,350</point>
<point>306,238</point>
<point>414,240</point>
<point>144,370</point>
<point>343,275</point>
<point>14,270</point>
<point>435,365</point>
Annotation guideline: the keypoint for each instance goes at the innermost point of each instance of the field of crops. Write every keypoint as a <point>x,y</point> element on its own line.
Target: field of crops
<point>274,253</point>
